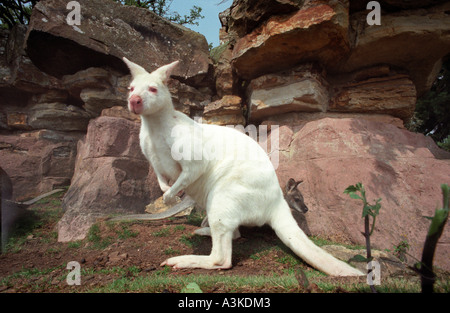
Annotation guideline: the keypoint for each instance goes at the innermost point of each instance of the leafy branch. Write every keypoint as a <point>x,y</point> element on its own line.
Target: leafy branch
<point>368,211</point>
<point>162,8</point>
<point>15,12</point>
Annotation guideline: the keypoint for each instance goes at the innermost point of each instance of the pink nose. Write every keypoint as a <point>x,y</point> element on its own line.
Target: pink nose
<point>135,103</point>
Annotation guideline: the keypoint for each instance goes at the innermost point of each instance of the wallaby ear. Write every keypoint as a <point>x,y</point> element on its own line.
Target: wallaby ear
<point>298,183</point>
<point>134,68</point>
<point>165,71</point>
<point>291,185</point>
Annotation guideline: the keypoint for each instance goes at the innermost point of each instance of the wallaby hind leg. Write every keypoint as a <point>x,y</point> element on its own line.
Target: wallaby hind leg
<point>206,230</point>
<point>220,257</point>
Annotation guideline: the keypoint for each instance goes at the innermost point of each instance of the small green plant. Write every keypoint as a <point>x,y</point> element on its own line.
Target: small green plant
<point>401,249</point>
<point>368,211</point>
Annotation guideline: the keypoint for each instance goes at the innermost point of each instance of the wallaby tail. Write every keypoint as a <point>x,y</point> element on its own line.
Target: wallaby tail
<point>292,236</point>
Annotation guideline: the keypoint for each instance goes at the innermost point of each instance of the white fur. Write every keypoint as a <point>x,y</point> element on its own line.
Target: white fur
<point>237,187</point>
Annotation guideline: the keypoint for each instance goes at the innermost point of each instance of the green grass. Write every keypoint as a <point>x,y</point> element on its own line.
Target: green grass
<point>167,231</point>
<point>40,220</point>
<point>100,241</point>
<point>32,222</point>
<point>171,251</point>
<point>191,240</point>
<point>125,232</point>
<point>95,238</point>
<point>132,279</point>
<point>196,218</point>
<point>158,282</point>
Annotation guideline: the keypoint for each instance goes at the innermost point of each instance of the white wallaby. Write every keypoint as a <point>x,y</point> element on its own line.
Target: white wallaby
<point>222,170</point>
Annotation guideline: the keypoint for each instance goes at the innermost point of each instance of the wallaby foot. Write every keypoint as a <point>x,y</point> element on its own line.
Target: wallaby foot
<point>196,261</point>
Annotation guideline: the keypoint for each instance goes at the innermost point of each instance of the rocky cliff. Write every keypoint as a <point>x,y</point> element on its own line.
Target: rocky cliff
<point>338,89</point>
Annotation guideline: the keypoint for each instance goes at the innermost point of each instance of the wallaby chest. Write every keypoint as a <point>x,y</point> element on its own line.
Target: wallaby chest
<point>156,147</point>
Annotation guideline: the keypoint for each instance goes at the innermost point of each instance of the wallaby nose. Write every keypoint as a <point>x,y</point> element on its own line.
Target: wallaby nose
<point>135,103</point>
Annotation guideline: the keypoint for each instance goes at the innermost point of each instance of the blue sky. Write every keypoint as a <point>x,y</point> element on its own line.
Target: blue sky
<point>208,26</point>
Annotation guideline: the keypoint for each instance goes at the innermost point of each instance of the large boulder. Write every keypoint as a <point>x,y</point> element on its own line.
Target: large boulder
<point>403,168</point>
<point>111,176</point>
<point>316,32</point>
<point>107,32</point>
<point>38,161</point>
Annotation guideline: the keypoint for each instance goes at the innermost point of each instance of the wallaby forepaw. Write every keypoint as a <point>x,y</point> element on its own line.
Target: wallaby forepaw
<point>169,198</point>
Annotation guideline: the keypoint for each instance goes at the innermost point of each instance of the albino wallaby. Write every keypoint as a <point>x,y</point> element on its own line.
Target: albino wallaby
<point>222,170</point>
<point>292,195</point>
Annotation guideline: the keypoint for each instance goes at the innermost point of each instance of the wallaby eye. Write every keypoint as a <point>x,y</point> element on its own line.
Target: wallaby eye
<point>152,89</point>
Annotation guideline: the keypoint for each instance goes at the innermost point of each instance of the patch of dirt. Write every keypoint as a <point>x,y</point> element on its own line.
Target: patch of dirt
<point>36,262</point>
<point>115,251</point>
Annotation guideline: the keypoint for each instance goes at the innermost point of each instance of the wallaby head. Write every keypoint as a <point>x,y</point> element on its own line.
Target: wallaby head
<point>148,91</point>
<point>294,197</point>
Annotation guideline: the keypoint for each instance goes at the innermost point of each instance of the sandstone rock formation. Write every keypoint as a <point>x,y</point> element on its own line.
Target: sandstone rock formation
<point>38,161</point>
<point>374,90</point>
<point>301,89</point>
<point>109,31</point>
<point>316,33</point>
<point>111,176</point>
<point>226,111</point>
<point>415,40</point>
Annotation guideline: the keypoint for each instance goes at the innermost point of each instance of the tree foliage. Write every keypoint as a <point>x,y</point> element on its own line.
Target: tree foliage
<point>14,12</point>
<point>432,115</point>
<point>162,8</point>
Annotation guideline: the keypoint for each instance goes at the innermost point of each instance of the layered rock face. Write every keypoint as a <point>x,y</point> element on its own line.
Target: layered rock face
<point>337,88</point>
